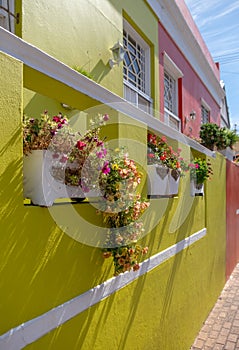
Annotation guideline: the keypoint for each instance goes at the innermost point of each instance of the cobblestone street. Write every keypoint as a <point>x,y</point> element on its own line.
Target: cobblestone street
<point>221,329</point>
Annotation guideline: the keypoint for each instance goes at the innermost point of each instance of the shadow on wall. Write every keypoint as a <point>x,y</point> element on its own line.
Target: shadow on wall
<point>100,71</point>
<point>40,266</point>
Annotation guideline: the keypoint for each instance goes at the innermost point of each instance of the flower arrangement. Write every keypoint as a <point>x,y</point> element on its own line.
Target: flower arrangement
<point>159,152</point>
<point>38,133</point>
<point>121,209</point>
<point>78,163</point>
<point>76,159</point>
<point>200,170</point>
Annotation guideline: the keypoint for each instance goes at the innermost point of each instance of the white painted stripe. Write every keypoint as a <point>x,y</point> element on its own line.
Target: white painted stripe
<point>237,212</point>
<point>28,332</point>
<point>33,57</point>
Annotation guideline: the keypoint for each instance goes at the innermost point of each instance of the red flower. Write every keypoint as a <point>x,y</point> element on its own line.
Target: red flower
<point>80,145</point>
<point>56,119</point>
<point>151,155</point>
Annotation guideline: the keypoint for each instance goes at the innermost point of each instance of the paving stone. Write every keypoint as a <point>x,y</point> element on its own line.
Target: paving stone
<point>230,346</point>
<point>233,337</point>
<point>218,347</point>
<point>221,329</point>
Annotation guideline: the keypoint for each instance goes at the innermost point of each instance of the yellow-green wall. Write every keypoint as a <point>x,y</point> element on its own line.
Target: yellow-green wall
<point>82,32</point>
<point>42,267</point>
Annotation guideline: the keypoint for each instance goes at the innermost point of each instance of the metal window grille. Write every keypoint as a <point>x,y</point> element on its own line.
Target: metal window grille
<point>204,115</point>
<point>7,16</point>
<point>134,62</point>
<point>169,93</point>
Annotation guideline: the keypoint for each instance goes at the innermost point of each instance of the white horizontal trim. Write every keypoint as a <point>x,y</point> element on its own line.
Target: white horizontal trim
<point>46,64</point>
<point>30,331</point>
<point>171,67</point>
<point>205,104</point>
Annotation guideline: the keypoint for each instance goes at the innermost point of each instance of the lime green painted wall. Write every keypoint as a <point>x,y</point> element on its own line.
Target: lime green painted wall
<point>42,267</point>
<point>82,32</point>
<point>165,308</point>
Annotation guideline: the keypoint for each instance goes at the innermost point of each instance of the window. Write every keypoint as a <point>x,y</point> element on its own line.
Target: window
<point>205,112</point>
<point>172,74</point>
<point>136,69</point>
<point>7,16</point>
<point>170,90</point>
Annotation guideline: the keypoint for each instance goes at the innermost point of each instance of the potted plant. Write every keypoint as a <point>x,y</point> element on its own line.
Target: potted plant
<point>209,135</point>
<point>164,167</point>
<point>200,171</point>
<point>216,138</point>
<point>121,209</point>
<point>57,160</point>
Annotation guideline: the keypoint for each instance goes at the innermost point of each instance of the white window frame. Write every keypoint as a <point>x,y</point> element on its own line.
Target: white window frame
<point>207,108</point>
<point>7,19</point>
<point>132,93</point>
<point>171,69</point>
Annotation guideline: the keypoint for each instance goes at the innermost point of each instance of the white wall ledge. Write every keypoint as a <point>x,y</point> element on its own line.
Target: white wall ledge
<point>40,61</point>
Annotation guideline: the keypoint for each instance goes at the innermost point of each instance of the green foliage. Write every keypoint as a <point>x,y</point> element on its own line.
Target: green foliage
<point>209,134</point>
<point>214,137</point>
<point>200,170</point>
<point>83,71</point>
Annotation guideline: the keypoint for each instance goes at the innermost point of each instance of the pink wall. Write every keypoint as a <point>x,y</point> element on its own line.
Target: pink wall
<point>232,187</point>
<point>192,88</point>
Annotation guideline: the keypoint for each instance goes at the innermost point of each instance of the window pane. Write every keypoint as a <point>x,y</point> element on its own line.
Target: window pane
<point>134,61</point>
<point>170,93</point>
<point>204,115</point>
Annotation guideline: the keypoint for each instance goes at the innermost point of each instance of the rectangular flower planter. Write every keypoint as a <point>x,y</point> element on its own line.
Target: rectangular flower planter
<point>161,182</point>
<point>40,186</point>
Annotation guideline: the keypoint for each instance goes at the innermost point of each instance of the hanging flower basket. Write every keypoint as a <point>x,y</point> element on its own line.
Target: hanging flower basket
<point>162,181</point>
<point>40,186</point>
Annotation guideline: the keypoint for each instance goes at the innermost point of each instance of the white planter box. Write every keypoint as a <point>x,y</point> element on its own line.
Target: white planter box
<point>40,186</point>
<point>161,182</point>
<point>196,189</point>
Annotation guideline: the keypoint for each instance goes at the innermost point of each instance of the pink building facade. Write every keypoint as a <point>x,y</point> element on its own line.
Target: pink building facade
<point>190,91</point>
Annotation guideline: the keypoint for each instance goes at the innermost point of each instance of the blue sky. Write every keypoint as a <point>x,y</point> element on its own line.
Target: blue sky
<point>218,22</point>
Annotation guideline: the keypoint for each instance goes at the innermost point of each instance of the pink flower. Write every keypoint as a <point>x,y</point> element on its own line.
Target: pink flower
<point>164,139</point>
<point>151,155</point>
<point>106,168</point>
<point>80,145</point>
<point>63,159</point>
<point>106,117</point>
<point>55,155</point>
<point>196,166</point>
<point>99,154</point>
